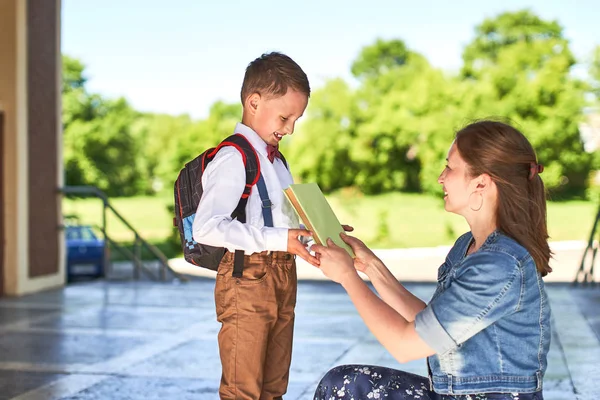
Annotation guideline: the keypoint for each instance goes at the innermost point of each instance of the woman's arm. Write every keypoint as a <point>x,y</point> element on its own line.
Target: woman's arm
<point>393,292</point>
<point>392,330</point>
<point>388,287</point>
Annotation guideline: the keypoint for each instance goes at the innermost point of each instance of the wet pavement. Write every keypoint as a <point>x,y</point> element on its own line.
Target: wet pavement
<point>128,340</point>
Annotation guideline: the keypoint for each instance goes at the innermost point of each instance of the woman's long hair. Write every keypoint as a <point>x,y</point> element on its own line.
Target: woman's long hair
<point>505,154</point>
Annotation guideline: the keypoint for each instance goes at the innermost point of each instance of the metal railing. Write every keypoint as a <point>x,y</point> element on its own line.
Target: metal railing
<point>585,273</point>
<point>135,255</point>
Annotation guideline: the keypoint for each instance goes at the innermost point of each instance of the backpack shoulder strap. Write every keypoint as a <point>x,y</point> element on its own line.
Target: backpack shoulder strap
<point>284,160</point>
<point>251,164</point>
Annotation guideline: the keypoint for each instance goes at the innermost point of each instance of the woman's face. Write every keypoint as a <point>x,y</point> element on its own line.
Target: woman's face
<point>455,182</point>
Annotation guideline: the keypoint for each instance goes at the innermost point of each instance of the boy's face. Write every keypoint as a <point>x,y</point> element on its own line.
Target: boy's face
<point>274,117</point>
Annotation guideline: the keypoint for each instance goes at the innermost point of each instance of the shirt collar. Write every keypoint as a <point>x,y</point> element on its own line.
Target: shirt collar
<point>255,140</point>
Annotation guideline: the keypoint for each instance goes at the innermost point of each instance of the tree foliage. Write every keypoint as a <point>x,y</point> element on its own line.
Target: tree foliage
<point>99,148</point>
<point>389,130</point>
<point>527,62</point>
<point>594,72</point>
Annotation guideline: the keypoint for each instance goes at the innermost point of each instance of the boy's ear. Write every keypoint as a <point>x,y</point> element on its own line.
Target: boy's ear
<point>252,102</point>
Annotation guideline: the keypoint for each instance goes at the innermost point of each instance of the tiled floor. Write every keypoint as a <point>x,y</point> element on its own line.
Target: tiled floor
<point>158,341</point>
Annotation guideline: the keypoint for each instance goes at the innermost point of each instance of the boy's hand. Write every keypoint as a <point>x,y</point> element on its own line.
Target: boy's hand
<point>295,246</point>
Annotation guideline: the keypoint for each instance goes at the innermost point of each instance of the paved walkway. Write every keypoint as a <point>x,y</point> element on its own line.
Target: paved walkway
<point>152,341</point>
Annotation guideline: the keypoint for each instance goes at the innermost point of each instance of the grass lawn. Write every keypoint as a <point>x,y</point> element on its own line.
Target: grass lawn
<point>413,220</point>
<point>148,215</point>
<point>386,221</point>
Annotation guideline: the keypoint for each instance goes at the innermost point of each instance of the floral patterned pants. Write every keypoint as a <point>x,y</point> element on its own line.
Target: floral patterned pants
<point>363,382</point>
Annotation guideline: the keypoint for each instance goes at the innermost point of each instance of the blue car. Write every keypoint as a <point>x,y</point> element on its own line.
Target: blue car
<point>85,252</point>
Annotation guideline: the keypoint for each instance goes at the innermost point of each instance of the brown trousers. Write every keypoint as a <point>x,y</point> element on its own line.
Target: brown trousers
<point>256,313</point>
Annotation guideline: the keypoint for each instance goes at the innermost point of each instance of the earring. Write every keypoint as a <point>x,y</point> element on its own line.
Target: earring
<point>480,204</point>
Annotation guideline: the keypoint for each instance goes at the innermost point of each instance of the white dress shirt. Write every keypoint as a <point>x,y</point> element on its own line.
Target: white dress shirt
<point>223,182</point>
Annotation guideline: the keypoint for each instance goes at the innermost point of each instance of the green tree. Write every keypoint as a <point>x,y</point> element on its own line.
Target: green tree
<point>527,62</point>
<point>496,34</point>
<point>204,134</point>
<point>389,134</point>
<point>72,76</point>
<point>77,104</point>
<point>320,149</point>
<point>595,72</point>
<point>158,136</point>
<point>393,128</point>
<point>380,57</point>
<point>99,148</point>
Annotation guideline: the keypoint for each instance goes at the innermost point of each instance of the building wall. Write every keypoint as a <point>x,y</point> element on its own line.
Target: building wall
<point>1,204</point>
<point>21,188</point>
<point>13,209</point>
<point>43,135</point>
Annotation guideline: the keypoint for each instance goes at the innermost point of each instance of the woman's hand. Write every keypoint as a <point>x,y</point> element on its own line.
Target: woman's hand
<point>365,258</point>
<point>335,262</point>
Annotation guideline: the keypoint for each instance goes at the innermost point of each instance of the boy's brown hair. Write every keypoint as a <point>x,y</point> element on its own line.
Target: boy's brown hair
<point>272,74</point>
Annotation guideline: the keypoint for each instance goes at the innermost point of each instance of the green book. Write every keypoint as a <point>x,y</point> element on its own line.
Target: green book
<point>316,213</point>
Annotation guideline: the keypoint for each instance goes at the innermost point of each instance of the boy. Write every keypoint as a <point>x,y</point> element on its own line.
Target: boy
<point>256,311</point>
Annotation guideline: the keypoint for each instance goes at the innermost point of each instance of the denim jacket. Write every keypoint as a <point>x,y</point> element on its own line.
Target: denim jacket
<point>488,320</point>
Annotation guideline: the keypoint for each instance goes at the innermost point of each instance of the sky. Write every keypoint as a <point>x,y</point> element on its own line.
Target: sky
<point>180,56</point>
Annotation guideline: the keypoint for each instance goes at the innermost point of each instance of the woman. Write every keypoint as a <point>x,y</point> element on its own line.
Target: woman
<point>486,330</point>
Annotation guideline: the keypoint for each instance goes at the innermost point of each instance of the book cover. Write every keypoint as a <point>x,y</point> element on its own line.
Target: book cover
<point>316,213</point>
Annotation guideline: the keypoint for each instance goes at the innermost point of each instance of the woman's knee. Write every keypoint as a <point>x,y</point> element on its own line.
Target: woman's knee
<point>365,381</point>
<point>335,376</point>
<point>345,381</point>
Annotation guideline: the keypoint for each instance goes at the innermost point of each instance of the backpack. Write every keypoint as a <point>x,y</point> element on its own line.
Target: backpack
<point>188,191</point>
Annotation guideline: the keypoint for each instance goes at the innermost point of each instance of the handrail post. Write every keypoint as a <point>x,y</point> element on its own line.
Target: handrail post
<point>107,263</point>
<point>163,272</point>
<point>587,276</point>
<point>138,257</point>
